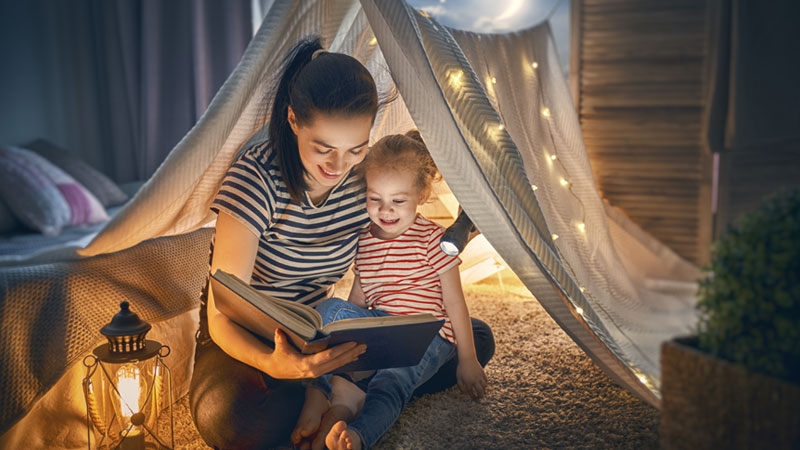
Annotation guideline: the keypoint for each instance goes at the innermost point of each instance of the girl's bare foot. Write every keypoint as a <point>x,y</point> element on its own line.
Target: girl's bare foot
<point>342,438</point>
<point>308,424</point>
<point>334,414</point>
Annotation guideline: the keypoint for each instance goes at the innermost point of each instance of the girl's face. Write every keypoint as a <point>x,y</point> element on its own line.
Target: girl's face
<point>329,147</point>
<point>392,200</point>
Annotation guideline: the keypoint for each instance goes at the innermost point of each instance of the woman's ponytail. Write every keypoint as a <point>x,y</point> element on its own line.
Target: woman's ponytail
<point>281,136</point>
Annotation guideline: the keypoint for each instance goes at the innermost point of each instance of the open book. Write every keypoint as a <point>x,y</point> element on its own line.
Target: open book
<point>392,341</point>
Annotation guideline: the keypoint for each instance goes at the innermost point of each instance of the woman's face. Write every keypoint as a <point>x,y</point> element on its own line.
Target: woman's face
<point>329,147</point>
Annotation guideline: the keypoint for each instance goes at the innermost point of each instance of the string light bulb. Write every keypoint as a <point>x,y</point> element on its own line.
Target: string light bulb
<point>534,187</point>
<point>563,182</point>
<point>535,65</point>
<point>546,113</point>
<point>579,310</point>
<point>455,78</point>
<point>373,41</point>
<point>494,80</point>
<point>555,236</point>
<point>582,227</point>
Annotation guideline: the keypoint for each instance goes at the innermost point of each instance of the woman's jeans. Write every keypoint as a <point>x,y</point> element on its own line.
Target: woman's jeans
<point>389,389</point>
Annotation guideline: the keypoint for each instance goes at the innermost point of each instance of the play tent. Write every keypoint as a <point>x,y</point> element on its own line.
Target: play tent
<point>496,113</point>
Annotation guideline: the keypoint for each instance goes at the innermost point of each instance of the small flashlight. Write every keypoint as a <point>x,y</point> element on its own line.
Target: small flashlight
<point>456,235</point>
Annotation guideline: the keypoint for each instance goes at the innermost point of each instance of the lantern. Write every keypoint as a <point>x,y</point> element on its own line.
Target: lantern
<point>128,397</point>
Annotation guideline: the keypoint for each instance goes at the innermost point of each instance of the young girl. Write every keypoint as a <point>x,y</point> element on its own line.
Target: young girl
<point>400,269</point>
<point>289,213</point>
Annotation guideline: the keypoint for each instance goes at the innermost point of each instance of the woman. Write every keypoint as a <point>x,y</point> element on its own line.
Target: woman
<point>289,214</point>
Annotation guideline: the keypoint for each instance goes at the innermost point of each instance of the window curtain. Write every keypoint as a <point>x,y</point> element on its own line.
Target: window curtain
<point>752,116</point>
<point>754,93</point>
<point>119,82</point>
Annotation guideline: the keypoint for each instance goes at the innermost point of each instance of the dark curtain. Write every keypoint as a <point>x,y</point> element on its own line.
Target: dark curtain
<point>754,89</point>
<point>119,82</point>
<point>753,102</point>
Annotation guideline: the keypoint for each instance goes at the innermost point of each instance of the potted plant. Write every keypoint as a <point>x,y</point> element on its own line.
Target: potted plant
<point>735,383</point>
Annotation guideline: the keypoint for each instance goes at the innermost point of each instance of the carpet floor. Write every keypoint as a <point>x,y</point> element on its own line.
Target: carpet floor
<point>544,392</point>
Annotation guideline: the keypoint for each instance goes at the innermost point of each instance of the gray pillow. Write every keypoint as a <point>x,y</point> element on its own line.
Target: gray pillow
<point>95,181</point>
<point>31,195</point>
<point>8,221</point>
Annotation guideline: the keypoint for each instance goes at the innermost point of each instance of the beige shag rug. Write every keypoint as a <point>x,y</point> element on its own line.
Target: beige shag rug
<point>545,393</point>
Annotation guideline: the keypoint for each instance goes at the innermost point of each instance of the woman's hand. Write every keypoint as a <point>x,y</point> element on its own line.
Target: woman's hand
<point>288,363</point>
<point>471,378</point>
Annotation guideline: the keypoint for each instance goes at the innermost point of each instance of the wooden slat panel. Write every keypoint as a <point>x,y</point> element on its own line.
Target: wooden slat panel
<point>638,79</point>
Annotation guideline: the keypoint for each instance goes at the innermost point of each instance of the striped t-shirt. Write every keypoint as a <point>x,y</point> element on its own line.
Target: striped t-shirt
<point>303,249</point>
<point>401,275</point>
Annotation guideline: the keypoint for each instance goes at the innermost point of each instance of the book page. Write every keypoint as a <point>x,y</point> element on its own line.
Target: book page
<point>233,296</point>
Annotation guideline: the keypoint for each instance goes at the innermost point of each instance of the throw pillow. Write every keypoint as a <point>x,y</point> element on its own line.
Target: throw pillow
<point>8,221</point>
<point>31,195</point>
<point>82,207</point>
<point>95,181</point>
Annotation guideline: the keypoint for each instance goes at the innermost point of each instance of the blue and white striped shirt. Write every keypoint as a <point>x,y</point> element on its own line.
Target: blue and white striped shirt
<point>303,249</point>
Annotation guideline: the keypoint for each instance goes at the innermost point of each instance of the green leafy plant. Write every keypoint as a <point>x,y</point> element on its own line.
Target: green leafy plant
<point>750,303</point>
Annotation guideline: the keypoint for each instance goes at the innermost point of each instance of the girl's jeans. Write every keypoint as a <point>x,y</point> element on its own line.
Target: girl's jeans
<point>389,389</point>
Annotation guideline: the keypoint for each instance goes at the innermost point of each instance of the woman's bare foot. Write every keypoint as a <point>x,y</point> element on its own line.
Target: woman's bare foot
<point>342,438</point>
<point>308,424</point>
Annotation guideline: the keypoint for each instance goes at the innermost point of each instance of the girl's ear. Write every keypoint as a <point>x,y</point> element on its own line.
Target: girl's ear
<point>292,119</point>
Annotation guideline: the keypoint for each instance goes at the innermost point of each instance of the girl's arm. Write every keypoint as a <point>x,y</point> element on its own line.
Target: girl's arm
<point>357,295</point>
<point>471,378</point>
<point>235,249</point>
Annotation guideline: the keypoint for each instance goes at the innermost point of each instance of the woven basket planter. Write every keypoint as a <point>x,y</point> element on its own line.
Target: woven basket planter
<point>710,403</point>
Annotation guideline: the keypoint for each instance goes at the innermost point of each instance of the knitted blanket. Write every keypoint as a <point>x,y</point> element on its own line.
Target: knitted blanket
<point>51,314</point>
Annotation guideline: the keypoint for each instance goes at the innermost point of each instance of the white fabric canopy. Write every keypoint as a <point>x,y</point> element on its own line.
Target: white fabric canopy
<point>496,113</point>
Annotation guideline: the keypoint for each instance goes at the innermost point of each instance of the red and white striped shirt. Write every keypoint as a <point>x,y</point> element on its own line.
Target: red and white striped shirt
<point>401,276</point>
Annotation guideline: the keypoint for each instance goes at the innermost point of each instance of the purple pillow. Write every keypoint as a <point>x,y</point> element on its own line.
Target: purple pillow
<point>42,196</point>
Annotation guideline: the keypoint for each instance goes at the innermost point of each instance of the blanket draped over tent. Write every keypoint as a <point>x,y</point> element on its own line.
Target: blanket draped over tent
<point>496,113</point>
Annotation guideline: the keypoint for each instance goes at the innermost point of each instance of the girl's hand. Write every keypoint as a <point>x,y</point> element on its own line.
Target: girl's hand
<point>288,363</point>
<point>471,378</point>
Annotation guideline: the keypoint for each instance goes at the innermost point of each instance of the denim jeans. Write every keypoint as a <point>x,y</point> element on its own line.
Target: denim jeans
<point>389,389</point>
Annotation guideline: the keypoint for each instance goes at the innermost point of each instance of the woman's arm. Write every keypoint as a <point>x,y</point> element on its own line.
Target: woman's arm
<point>471,378</point>
<point>235,249</point>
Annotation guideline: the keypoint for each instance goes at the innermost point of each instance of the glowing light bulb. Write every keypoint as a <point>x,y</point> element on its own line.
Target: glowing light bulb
<point>546,112</point>
<point>535,65</point>
<point>555,236</point>
<point>563,182</point>
<point>373,41</point>
<point>501,127</point>
<point>129,387</point>
<point>579,310</point>
<point>583,289</point>
<point>642,378</point>
<point>553,157</point>
<point>534,187</point>
<point>494,80</point>
<point>582,227</point>
<point>455,78</point>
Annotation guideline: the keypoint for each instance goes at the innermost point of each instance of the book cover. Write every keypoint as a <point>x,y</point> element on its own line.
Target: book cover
<point>392,341</point>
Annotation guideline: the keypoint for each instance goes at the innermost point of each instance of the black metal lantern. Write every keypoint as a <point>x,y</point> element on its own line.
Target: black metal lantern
<point>127,398</point>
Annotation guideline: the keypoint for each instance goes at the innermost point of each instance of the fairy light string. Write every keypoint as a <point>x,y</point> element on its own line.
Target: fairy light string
<point>560,173</point>
<point>561,176</point>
